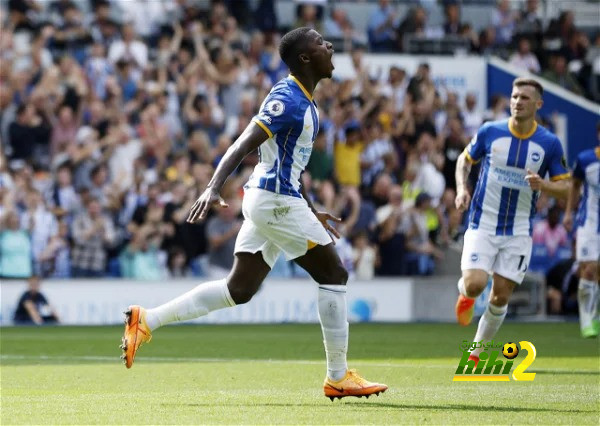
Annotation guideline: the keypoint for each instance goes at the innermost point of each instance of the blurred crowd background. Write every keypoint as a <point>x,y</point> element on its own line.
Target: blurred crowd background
<point>114,114</point>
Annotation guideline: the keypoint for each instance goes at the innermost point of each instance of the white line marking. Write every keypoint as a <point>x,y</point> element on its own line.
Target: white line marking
<point>182,359</point>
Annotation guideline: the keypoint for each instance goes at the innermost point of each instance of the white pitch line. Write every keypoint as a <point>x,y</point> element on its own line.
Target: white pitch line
<point>182,359</point>
<point>115,359</point>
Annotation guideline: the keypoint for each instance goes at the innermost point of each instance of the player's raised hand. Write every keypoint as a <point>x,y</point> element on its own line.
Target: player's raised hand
<point>200,208</point>
<point>534,180</point>
<point>323,218</point>
<point>568,221</point>
<point>462,200</point>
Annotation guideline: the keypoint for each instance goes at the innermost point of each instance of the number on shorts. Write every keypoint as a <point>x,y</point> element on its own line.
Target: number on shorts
<point>521,264</point>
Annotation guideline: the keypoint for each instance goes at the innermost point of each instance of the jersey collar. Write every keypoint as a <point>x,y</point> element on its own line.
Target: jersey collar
<point>301,86</point>
<point>521,135</point>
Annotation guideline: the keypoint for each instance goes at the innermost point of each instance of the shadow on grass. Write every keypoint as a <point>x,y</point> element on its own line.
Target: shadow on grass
<point>379,405</point>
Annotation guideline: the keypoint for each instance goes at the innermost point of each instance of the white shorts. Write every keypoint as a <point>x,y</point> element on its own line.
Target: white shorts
<point>508,256</point>
<point>588,246</point>
<point>276,223</point>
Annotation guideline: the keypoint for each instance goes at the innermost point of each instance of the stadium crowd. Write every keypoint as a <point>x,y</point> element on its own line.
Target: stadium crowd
<point>114,116</point>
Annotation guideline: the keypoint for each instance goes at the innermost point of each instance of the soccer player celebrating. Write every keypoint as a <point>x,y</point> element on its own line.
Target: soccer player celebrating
<point>586,174</point>
<point>278,217</point>
<point>516,154</point>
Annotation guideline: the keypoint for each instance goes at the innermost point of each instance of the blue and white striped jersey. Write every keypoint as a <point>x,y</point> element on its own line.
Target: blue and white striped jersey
<point>290,117</point>
<point>503,203</point>
<point>587,169</point>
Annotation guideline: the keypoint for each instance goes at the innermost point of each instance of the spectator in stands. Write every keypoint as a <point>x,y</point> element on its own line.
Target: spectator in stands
<point>320,168</point>
<point>472,116</point>
<point>420,250</point>
<point>497,110</point>
<point>308,16</point>
<point>592,67</point>
<point>551,233</point>
<point>381,27</point>
<point>414,23</point>
<point>365,257</point>
<point>454,144</point>
<point>141,259</point>
<point>177,264</point>
<point>529,24</point>
<point>15,248</point>
<point>222,230</point>
<point>452,24</point>
<point>347,156</point>
<point>524,59</point>
<point>93,233</point>
<point>389,234</point>
<point>33,307</point>
<point>129,49</point>
<point>559,74</point>
<point>29,135</point>
<point>504,22</point>
<point>376,152</point>
<point>72,36</point>
<point>40,224</point>
<point>55,260</point>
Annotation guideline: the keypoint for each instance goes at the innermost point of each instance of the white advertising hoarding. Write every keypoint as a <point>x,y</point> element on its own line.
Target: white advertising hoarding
<point>88,302</point>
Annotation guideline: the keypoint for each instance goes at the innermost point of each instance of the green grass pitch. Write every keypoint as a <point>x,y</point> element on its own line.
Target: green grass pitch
<point>273,374</point>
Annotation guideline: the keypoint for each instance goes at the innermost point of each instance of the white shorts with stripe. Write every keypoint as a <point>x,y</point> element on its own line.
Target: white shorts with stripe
<point>275,223</point>
<point>588,245</point>
<point>508,256</point>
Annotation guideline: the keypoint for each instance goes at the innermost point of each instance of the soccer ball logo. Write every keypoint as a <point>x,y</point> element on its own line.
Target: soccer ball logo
<point>510,350</point>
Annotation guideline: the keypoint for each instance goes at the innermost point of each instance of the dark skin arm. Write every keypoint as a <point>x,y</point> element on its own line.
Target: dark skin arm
<point>248,141</point>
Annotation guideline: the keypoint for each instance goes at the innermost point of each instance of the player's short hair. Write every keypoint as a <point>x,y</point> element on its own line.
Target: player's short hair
<point>292,44</point>
<point>524,81</point>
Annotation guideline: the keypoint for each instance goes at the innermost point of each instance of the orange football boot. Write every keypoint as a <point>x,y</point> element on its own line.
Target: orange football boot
<point>136,333</point>
<point>351,385</point>
<point>464,310</point>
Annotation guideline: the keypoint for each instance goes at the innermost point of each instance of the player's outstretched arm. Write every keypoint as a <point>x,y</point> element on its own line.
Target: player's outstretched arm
<point>248,141</point>
<point>463,168</point>
<point>572,201</point>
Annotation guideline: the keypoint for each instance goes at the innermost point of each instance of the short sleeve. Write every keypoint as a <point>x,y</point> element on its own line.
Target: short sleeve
<point>276,112</point>
<point>578,170</point>
<point>557,166</point>
<point>475,151</point>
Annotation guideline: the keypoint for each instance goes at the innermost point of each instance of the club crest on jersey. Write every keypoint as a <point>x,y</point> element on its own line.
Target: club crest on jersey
<point>535,157</point>
<point>275,108</point>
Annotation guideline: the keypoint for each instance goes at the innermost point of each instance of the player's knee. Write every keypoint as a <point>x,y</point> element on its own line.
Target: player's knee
<point>499,299</point>
<point>474,285</point>
<point>241,295</point>
<point>589,271</point>
<point>336,275</point>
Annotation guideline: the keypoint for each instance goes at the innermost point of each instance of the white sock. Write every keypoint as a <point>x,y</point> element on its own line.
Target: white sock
<point>489,323</point>
<point>334,323</point>
<point>587,298</point>
<point>461,288</point>
<point>205,298</point>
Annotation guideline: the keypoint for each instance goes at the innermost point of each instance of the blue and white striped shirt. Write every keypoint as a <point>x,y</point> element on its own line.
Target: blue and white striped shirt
<point>587,169</point>
<point>503,203</point>
<point>290,117</point>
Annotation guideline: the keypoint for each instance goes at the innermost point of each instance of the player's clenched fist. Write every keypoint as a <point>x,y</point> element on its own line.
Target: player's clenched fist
<point>208,198</point>
<point>534,180</point>
<point>462,200</point>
